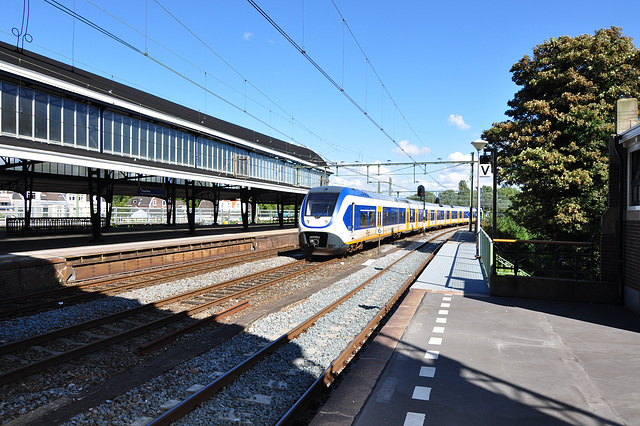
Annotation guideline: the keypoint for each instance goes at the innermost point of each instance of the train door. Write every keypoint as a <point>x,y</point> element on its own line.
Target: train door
<point>353,218</point>
<point>407,219</point>
<point>379,217</point>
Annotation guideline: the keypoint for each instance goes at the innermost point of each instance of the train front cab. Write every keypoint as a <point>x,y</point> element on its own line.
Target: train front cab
<point>316,216</point>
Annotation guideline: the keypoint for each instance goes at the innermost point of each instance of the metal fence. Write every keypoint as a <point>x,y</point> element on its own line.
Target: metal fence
<point>48,222</point>
<point>550,259</point>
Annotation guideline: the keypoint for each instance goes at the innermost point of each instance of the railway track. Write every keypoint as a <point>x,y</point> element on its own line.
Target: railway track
<point>199,406</point>
<point>110,286</point>
<point>31,355</point>
<point>87,383</point>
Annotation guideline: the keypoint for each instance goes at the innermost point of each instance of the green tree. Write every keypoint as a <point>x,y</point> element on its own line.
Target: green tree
<point>463,194</point>
<point>121,200</point>
<point>448,196</point>
<point>554,147</point>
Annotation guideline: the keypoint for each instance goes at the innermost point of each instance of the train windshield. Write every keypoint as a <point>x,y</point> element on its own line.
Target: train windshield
<point>321,204</point>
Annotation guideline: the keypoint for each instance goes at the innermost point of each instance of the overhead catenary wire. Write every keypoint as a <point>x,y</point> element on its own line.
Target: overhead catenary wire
<point>169,68</point>
<point>326,75</point>
<point>384,87</point>
<point>190,80</point>
<point>284,114</point>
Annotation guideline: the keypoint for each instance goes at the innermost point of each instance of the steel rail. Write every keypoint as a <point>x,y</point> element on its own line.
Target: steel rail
<point>189,404</point>
<point>171,337</point>
<point>37,366</point>
<point>34,340</point>
<point>341,361</point>
<point>149,276</point>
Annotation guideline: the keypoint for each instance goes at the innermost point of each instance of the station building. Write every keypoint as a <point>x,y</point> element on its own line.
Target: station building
<point>63,129</point>
<point>620,246</point>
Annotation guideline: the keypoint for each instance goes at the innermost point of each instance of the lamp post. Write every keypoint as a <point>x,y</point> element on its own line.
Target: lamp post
<point>478,144</point>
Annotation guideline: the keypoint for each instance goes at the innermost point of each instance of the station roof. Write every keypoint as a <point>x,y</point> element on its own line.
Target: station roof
<point>78,77</point>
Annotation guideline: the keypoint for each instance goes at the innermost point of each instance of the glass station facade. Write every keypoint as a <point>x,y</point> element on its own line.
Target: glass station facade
<point>41,117</point>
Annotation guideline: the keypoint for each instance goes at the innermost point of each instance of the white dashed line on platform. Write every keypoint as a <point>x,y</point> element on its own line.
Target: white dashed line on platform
<point>435,341</point>
<point>431,355</point>
<point>427,371</point>
<point>414,419</point>
<point>422,393</point>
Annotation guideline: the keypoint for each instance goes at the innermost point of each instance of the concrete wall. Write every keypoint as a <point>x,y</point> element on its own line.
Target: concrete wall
<point>554,289</point>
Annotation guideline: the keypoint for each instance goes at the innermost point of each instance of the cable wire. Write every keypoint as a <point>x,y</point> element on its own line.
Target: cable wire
<point>327,76</point>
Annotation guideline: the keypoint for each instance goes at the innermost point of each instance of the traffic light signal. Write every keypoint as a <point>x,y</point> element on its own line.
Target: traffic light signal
<point>421,192</point>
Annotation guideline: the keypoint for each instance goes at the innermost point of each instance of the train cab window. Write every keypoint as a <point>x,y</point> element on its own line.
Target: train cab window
<point>321,204</point>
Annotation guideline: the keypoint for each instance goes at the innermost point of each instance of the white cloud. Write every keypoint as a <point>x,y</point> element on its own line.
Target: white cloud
<point>458,156</point>
<point>247,36</point>
<point>458,121</point>
<point>407,148</point>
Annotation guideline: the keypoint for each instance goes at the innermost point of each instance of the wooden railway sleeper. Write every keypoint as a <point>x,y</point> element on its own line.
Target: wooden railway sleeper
<point>189,404</point>
<point>37,366</point>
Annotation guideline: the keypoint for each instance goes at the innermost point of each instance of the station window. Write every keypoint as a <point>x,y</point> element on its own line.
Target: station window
<point>9,107</point>
<point>26,113</point>
<point>634,178</point>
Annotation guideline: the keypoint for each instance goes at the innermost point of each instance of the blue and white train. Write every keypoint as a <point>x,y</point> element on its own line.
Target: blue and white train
<point>335,219</point>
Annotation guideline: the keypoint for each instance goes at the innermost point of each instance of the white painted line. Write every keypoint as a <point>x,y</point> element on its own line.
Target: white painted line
<point>448,294</point>
<point>441,320</point>
<point>421,392</point>
<point>427,371</point>
<point>443,312</point>
<point>445,305</point>
<point>446,299</point>
<point>431,355</point>
<point>435,341</point>
<point>368,262</point>
<point>438,329</point>
<point>414,419</point>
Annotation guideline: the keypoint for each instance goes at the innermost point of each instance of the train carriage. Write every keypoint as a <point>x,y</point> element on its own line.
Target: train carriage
<point>336,219</point>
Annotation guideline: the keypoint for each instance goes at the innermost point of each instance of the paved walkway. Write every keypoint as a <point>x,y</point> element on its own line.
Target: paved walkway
<point>447,357</point>
<point>455,268</point>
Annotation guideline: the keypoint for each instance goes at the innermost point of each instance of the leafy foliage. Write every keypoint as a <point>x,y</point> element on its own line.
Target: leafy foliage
<point>554,147</point>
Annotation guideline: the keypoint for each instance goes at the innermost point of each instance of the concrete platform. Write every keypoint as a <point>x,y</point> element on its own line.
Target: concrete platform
<point>450,357</point>
<point>35,263</point>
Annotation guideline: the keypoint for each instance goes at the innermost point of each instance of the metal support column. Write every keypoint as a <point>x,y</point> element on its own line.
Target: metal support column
<point>254,208</point>
<point>244,207</point>
<point>471,197</point>
<point>107,186</point>
<point>216,203</point>
<point>171,201</point>
<point>27,171</point>
<point>190,198</point>
<point>95,198</point>
<point>280,211</point>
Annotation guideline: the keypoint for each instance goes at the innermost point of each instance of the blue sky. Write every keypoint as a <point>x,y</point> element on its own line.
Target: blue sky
<point>445,65</point>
